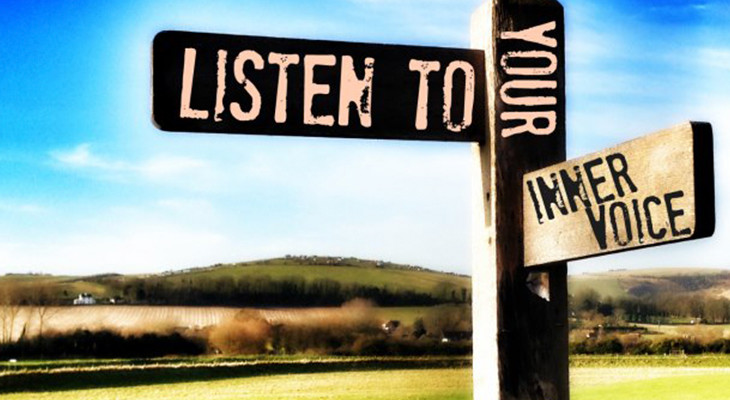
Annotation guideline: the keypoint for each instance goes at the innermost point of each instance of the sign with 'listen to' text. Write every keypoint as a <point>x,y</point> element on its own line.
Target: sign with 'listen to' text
<point>257,85</point>
<point>649,191</point>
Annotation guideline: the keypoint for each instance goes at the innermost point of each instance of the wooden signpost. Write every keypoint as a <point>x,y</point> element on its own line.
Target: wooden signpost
<point>520,339</point>
<point>507,97</point>
<point>649,191</point>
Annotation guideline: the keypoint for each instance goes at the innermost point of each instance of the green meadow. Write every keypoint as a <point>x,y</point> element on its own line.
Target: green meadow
<point>705,377</point>
<point>622,377</point>
<point>667,384</point>
<point>429,378</point>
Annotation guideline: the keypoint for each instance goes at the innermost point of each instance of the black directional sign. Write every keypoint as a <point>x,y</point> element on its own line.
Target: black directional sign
<point>258,85</point>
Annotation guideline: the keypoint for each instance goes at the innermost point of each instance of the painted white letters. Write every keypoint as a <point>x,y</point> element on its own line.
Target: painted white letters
<point>356,91</point>
<point>248,86</point>
<point>283,61</point>
<point>312,89</point>
<point>532,63</point>
<point>187,88</point>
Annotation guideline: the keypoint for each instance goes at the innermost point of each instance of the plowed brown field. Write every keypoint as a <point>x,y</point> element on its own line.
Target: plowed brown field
<point>131,319</point>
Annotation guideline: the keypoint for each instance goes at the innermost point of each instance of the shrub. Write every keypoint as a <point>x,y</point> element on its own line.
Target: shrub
<point>718,346</point>
<point>103,344</point>
<point>608,345</point>
<point>633,343</point>
<point>678,345</point>
<point>354,332</point>
<point>337,335</point>
<point>246,333</point>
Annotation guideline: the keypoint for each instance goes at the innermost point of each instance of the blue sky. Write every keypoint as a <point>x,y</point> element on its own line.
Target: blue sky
<point>89,185</point>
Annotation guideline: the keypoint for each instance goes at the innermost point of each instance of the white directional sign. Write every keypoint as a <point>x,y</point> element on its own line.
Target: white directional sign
<point>649,191</point>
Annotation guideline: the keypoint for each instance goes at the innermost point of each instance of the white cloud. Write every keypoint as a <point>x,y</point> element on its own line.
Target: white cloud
<point>440,22</point>
<point>124,243</point>
<point>182,171</point>
<point>144,241</point>
<point>372,200</point>
<point>166,166</point>
<point>197,209</point>
<point>82,157</point>
<point>364,198</point>
<point>183,204</point>
<point>23,208</point>
<point>361,180</point>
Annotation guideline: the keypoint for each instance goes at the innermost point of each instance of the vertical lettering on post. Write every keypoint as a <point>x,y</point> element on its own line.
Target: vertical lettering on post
<point>526,98</point>
<point>532,112</point>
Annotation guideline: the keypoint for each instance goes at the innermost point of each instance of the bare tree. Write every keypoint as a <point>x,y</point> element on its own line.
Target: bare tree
<point>9,309</point>
<point>41,298</point>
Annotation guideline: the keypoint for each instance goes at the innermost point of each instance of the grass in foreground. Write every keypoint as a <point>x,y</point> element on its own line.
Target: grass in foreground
<point>668,361</point>
<point>705,377</point>
<point>621,377</point>
<point>451,383</point>
<point>710,384</point>
<point>245,377</point>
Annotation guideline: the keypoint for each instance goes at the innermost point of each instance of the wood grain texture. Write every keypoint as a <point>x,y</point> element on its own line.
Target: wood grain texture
<point>649,191</point>
<point>523,333</point>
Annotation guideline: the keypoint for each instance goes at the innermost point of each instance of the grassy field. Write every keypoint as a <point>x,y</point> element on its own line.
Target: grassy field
<point>428,378</point>
<point>672,385</point>
<point>705,377</point>
<point>71,284</point>
<point>628,283</point>
<point>697,331</point>
<point>433,384</point>
<point>605,285</point>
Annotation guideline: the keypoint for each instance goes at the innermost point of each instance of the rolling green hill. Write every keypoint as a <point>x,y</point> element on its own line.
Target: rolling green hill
<point>301,272</point>
<point>290,281</point>
<point>344,271</point>
<point>647,282</point>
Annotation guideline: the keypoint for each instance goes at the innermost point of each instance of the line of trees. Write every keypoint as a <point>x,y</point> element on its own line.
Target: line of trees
<point>23,305</point>
<point>631,344</point>
<point>657,308</point>
<point>261,291</point>
<point>103,344</point>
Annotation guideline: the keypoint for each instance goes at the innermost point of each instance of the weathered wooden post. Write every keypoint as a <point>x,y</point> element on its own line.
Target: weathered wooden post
<point>520,327</point>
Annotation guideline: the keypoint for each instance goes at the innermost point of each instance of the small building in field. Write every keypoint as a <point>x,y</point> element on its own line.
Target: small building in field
<point>456,336</point>
<point>117,300</point>
<point>84,299</point>
<point>390,326</point>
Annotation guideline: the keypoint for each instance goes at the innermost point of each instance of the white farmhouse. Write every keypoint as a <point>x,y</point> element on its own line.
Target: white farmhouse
<point>84,299</point>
